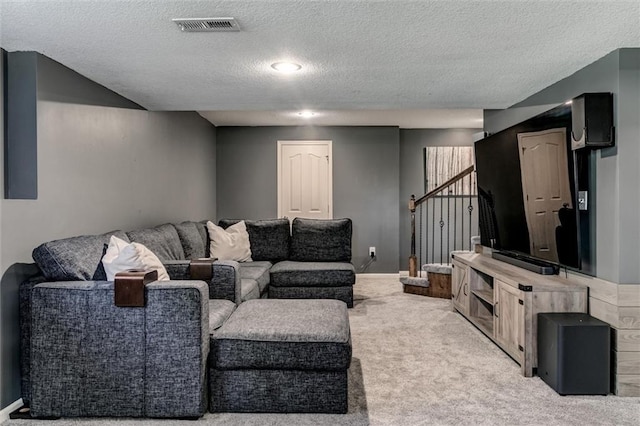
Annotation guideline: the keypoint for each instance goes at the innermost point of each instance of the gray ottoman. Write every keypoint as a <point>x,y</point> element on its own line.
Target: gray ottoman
<point>281,356</point>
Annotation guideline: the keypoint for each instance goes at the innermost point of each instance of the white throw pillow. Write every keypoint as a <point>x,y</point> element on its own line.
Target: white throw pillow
<point>122,256</point>
<point>231,243</point>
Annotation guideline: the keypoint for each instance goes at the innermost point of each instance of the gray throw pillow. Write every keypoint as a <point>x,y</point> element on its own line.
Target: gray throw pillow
<point>269,238</point>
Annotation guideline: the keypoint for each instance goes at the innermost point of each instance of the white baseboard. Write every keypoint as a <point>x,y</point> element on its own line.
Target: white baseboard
<point>4,413</point>
<point>376,275</point>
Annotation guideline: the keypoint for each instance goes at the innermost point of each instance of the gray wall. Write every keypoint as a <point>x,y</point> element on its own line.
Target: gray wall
<point>365,181</point>
<point>99,168</point>
<point>496,119</point>
<point>617,173</point>
<point>412,141</point>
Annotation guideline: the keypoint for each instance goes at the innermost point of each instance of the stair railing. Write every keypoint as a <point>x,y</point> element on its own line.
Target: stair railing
<point>451,233</point>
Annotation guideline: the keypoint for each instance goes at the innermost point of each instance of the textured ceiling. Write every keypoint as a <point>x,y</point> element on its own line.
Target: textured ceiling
<point>356,55</point>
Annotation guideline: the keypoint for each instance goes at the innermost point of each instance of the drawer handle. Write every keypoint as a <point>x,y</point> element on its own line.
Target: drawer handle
<point>464,289</point>
<point>495,310</point>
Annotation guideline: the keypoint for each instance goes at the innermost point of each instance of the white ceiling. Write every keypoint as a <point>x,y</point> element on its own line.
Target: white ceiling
<point>396,58</point>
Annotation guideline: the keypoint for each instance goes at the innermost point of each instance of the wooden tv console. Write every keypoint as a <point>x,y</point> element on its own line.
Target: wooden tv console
<point>503,301</point>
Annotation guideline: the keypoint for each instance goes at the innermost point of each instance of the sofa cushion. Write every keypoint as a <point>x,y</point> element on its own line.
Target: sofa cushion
<point>191,238</point>
<point>162,240</point>
<point>249,289</point>
<point>258,271</point>
<point>76,258</point>
<point>284,334</point>
<point>312,274</point>
<point>219,311</point>
<point>344,293</point>
<point>321,240</point>
<point>204,233</point>
<point>270,238</point>
<point>177,269</point>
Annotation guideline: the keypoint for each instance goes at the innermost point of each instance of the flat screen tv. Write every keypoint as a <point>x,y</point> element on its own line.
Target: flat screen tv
<point>529,180</point>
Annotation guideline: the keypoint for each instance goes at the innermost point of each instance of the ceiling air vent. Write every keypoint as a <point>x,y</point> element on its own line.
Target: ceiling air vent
<point>207,24</point>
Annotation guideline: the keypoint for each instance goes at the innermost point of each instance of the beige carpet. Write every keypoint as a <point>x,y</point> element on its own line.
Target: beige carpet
<point>424,364</point>
<point>418,363</point>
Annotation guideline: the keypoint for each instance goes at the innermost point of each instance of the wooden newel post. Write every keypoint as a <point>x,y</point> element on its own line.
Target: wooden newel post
<point>413,261</point>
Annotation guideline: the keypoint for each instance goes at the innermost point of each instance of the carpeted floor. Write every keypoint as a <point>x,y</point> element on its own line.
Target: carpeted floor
<point>418,363</point>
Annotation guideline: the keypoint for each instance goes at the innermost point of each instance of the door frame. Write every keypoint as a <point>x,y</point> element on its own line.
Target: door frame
<point>329,144</point>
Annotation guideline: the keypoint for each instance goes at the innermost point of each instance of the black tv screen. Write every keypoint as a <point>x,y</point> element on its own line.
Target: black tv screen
<point>528,181</point>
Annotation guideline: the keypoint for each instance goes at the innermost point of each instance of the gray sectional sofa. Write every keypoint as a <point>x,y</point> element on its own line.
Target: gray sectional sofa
<point>83,356</point>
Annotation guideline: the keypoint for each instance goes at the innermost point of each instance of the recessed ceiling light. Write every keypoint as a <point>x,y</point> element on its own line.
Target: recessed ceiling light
<point>568,102</point>
<point>286,67</point>
<point>306,114</point>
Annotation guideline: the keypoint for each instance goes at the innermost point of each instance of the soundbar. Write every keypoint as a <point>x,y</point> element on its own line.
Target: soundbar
<point>533,265</point>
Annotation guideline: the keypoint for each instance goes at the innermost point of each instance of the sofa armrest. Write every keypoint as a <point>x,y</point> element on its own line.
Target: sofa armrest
<point>25,334</point>
<point>176,367</point>
<point>177,269</point>
<point>92,358</point>
<point>225,284</point>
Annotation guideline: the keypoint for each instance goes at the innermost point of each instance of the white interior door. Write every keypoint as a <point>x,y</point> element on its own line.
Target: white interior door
<point>305,179</point>
<point>545,186</point>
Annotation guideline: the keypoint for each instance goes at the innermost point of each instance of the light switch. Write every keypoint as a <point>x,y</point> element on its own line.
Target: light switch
<point>582,200</point>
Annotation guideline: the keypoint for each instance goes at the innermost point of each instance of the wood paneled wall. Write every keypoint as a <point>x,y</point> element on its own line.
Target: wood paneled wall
<point>619,305</point>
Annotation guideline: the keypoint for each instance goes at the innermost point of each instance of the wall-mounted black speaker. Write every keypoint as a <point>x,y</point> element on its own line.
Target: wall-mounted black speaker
<point>592,121</point>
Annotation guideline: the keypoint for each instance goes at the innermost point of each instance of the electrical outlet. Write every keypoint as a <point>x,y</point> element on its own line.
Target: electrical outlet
<point>372,252</point>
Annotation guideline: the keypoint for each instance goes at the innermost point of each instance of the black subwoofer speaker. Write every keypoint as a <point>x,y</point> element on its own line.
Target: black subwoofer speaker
<point>592,121</point>
<point>574,353</point>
